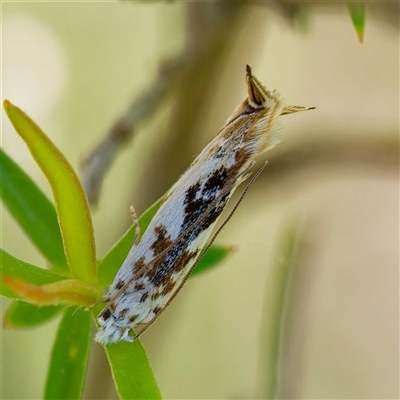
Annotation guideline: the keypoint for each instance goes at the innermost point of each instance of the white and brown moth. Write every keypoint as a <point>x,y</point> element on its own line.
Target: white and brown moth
<point>157,267</point>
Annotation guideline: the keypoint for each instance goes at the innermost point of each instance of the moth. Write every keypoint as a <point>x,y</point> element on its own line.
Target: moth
<point>158,265</point>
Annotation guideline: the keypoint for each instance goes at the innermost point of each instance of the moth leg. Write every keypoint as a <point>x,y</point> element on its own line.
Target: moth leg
<point>104,299</point>
<point>136,223</point>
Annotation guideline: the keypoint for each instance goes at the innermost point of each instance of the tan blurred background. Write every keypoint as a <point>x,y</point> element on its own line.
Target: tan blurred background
<point>75,67</point>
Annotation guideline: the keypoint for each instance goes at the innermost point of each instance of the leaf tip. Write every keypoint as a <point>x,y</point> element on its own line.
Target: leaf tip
<point>357,14</point>
<point>7,323</point>
<point>234,248</point>
<point>7,106</point>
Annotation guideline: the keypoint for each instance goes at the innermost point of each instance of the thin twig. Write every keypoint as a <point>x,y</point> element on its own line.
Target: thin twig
<point>338,152</point>
<point>99,160</point>
<point>171,73</point>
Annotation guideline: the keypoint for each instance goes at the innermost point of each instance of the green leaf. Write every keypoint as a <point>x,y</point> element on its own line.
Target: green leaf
<point>69,357</point>
<point>113,260</point>
<point>71,203</point>
<point>22,271</point>
<point>25,315</point>
<point>274,310</point>
<point>131,371</point>
<point>33,211</point>
<point>214,256</point>
<point>357,14</point>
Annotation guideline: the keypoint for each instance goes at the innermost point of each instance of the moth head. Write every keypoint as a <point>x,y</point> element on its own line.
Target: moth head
<point>268,106</point>
<point>261,97</point>
<point>263,107</point>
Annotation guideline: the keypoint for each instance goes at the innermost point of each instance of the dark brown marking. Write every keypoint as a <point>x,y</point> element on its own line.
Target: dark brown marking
<point>184,259</point>
<point>105,314</point>
<point>139,264</point>
<point>191,193</point>
<point>195,209</point>
<point>133,318</point>
<point>156,310</point>
<point>215,182</point>
<point>144,297</point>
<point>155,296</point>
<point>162,275</point>
<point>139,286</point>
<point>168,287</point>
<point>162,241</point>
<point>241,156</point>
<point>122,313</point>
<point>158,271</point>
<point>119,284</point>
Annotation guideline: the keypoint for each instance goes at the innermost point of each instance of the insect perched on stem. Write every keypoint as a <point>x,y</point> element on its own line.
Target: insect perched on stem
<point>158,265</point>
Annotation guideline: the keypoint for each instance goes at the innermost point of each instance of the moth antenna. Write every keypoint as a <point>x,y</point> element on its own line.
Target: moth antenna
<point>136,223</point>
<point>177,290</point>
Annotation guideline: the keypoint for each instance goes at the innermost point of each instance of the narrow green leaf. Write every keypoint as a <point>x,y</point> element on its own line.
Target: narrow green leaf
<point>37,217</point>
<point>113,260</point>
<point>357,14</point>
<point>214,256</point>
<point>69,357</point>
<point>20,270</point>
<point>32,210</point>
<point>274,310</point>
<point>25,315</point>
<point>71,203</point>
<point>131,371</point>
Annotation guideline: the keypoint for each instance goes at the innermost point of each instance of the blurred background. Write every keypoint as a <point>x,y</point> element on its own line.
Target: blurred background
<point>153,82</point>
